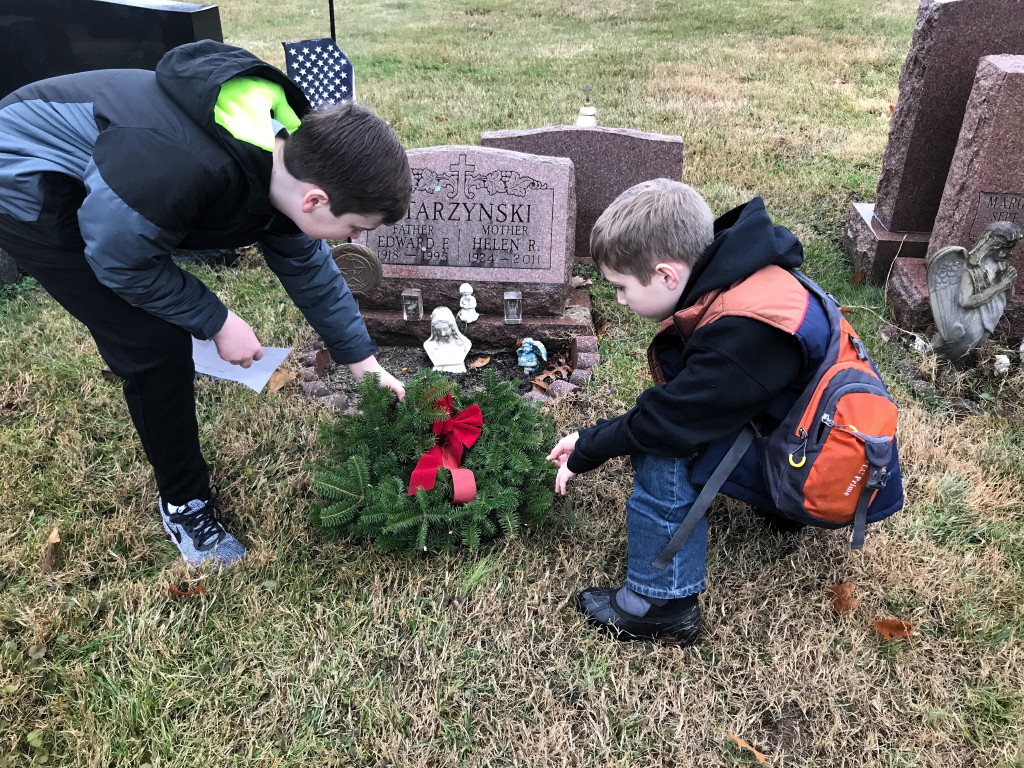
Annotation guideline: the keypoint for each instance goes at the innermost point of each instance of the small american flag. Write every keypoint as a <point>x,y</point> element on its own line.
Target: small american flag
<point>321,69</point>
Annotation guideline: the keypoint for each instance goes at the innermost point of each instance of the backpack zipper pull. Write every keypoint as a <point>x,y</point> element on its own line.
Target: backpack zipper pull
<point>862,351</point>
<point>803,450</point>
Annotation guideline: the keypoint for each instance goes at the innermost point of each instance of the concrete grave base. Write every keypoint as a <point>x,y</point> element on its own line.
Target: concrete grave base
<point>555,332</point>
<point>538,298</point>
<point>872,248</point>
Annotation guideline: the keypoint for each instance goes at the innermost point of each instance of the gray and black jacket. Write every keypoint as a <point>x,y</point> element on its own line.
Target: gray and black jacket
<point>153,171</point>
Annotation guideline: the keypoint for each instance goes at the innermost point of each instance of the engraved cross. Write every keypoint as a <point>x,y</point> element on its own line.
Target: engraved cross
<point>462,169</point>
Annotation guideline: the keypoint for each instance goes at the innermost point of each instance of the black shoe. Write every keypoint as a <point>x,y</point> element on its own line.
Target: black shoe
<point>676,622</point>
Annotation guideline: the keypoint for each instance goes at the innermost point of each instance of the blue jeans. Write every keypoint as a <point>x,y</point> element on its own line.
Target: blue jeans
<point>662,495</point>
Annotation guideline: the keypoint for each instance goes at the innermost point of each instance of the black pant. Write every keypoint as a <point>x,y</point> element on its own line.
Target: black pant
<point>152,357</point>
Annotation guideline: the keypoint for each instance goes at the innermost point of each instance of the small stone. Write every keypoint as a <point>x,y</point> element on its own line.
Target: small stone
<point>313,388</point>
<point>336,401</point>
<point>586,360</point>
<point>309,374</point>
<point>322,360</point>
<point>581,345</point>
<point>888,332</point>
<point>317,359</point>
<point>923,388</point>
<point>533,394</point>
<point>1002,365</point>
<point>560,388</point>
<point>580,377</point>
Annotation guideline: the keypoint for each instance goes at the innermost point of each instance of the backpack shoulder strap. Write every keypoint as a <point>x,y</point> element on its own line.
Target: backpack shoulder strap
<point>706,496</point>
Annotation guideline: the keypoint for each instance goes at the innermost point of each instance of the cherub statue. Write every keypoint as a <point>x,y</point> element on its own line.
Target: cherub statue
<point>969,290</point>
<point>446,347</point>
<point>467,304</point>
<point>527,355</point>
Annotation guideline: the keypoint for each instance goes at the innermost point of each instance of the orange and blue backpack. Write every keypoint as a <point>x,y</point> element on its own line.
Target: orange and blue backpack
<point>831,458</point>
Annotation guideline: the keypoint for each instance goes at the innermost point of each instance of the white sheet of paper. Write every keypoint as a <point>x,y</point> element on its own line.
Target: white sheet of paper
<point>204,354</point>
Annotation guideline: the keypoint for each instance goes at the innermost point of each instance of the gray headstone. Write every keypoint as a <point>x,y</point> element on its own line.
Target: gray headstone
<point>607,160</point>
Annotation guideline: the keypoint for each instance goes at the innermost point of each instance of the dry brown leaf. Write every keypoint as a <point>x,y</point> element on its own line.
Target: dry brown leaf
<point>480,362</point>
<point>604,327</point>
<point>843,600</point>
<point>892,108</point>
<point>894,629</point>
<point>857,277</point>
<point>195,592</point>
<point>559,370</point>
<point>278,379</point>
<point>743,745</point>
<point>580,282</point>
<point>48,551</point>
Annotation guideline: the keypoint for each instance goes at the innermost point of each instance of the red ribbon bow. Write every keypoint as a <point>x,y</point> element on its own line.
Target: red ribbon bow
<point>455,433</point>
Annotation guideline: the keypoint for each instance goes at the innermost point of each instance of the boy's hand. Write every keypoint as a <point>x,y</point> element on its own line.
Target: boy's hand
<point>560,455</point>
<point>370,365</point>
<point>236,343</point>
<point>562,479</point>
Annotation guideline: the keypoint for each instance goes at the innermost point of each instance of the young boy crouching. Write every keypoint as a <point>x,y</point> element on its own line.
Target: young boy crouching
<point>730,351</point>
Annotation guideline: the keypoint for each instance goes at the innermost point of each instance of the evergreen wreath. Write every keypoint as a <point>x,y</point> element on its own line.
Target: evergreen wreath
<point>371,454</point>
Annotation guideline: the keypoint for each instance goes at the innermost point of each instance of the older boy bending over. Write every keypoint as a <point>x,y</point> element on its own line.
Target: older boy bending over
<point>731,350</point>
<point>103,173</point>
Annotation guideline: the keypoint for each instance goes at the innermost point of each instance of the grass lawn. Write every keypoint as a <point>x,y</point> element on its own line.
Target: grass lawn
<point>328,654</point>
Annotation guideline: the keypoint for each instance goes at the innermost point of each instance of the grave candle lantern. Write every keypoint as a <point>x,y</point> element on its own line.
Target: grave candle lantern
<point>412,305</point>
<point>513,307</point>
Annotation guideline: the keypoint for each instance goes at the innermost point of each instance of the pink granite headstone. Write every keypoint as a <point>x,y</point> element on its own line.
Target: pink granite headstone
<point>985,184</point>
<point>495,219</point>
<point>949,38</point>
<point>608,161</point>
<point>986,178</point>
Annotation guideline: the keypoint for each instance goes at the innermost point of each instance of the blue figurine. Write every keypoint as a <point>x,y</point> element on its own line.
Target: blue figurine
<point>527,355</point>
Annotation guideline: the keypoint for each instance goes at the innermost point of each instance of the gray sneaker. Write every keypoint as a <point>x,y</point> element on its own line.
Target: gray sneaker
<point>196,530</point>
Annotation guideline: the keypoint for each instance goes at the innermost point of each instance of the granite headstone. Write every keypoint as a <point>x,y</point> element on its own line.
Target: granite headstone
<point>985,184</point>
<point>949,38</point>
<point>45,38</point>
<point>607,160</point>
<point>986,178</point>
<point>496,219</point>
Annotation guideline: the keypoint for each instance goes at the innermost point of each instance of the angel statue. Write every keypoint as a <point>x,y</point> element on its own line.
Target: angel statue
<point>969,290</point>
<point>527,355</point>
